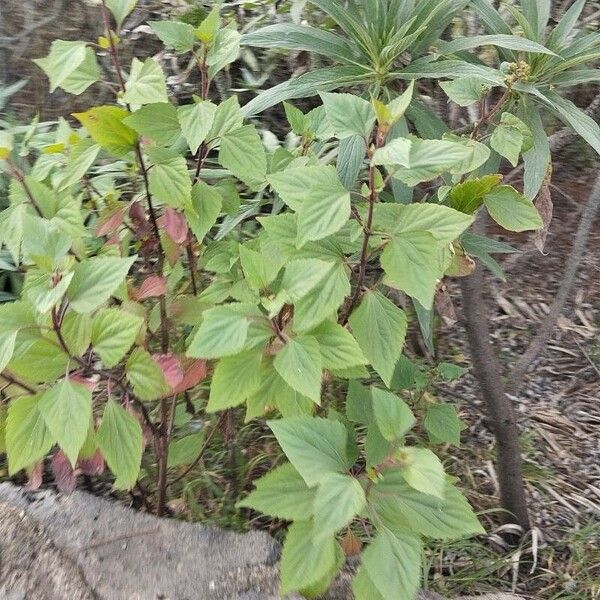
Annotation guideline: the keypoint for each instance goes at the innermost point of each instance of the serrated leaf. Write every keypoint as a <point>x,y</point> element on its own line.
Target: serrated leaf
<point>119,438</point>
<point>442,424</point>
<point>401,507</point>
<point>196,121</point>
<point>422,470</point>
<point>464,91</point>
<point>204,210</point>
<point>338,500</point>
<point>303,560</point>
<point>393,563</point>
<point>303,275</point>
<point>283,494</point>
<point>316,447</point>
<point>76,330</point>
<point>511,210</point>
<point>106,126</point>
<point>235,379</point>
<point>223,332</point>
<point>299,364</point>
<point>339,350</point>
<point>158,121</point>
<point>145,376</point>
<point>174,34</point>
<point>120,9</point>
<point>28,438</point>
<point>392,415</point>
<point>67,410</point>
<point>243,153</point>
<point>325,209</point>
<point>349,114</point>
<point>146,83</point>
<point>113,333</point>
<point>379,327</point>
<point>168,178</point>
<point>95,280</point>
<point>185,450</point>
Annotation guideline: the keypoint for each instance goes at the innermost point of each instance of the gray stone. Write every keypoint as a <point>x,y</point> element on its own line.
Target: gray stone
<point>81,547</point>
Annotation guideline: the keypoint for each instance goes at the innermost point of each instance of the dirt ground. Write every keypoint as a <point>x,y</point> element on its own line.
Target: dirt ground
<point>558,408</point>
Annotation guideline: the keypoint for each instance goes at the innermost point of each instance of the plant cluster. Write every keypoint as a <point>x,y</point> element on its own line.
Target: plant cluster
<point>174,264</point>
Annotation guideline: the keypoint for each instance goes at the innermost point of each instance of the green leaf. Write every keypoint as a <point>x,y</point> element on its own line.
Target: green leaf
<point>145,376</point>
<point>442,424</point>
<point>507,142</point>
<point>168,178</point>
<point>322,301</point>
<point>81,157</point>
<point>351,156</point>
<point>120,9</point>
<point>301,37</point>
<point>379,327</point>
<point>113,333</point>
<point>450,371</point>
<point>28,438</point>
<point>299,364</point>
<point>43,291</point>
<point>223,332</point>
<point>235,379</point>
<point>196,121</point>
<point>106,126</point>
<point>69,65</point>
<point>7,346</point>
<point>295,117</point>
<point>174,34</point>
<point>185,451</point>
<point>158,121</point>
<point>359,403</point>
<point>76,330</point>
<point>228,117</point>
<point>95,280</point>
<point>204,210</point>
<point>283,494</point>
<point>242,152</point>
<point>119,438</point>
<point>325,209</point>
<point>207,30</point>
<point>259,269</point>
<point>392,415</point>
<point>468,196</point>
<point>305,561</point>
<point>537,159</point>
<point>224,51</point>
<point>393,564</point>
<point>293,184</point>
<point>422,470</point>
<point>584,125</point>
<point>67,410</point>
<point>303,275</point>
<point>316,447</point>
<point>512,210</point>
<point>146,83</point>
<point>511,42</point>
<point>338,500</point>
<point>401,507</point>
<point>339,350</point>
<point>349,114</point>
<point>464,91</point>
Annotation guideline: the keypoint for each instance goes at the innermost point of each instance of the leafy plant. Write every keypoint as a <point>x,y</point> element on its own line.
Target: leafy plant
<point>172,263</point>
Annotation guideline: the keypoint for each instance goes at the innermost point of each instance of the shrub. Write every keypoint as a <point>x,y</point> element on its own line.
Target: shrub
<point>170,259</point>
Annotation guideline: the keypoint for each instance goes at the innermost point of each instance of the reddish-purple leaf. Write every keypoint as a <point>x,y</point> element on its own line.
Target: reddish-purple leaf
<point>194,373</point>
<point>171,368</point>
<point>174,223</point>
<point>65,477</point>
<point>94,465</point>
<point>151,287</point>
<point>110,220</point>
<point>35,477</point>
